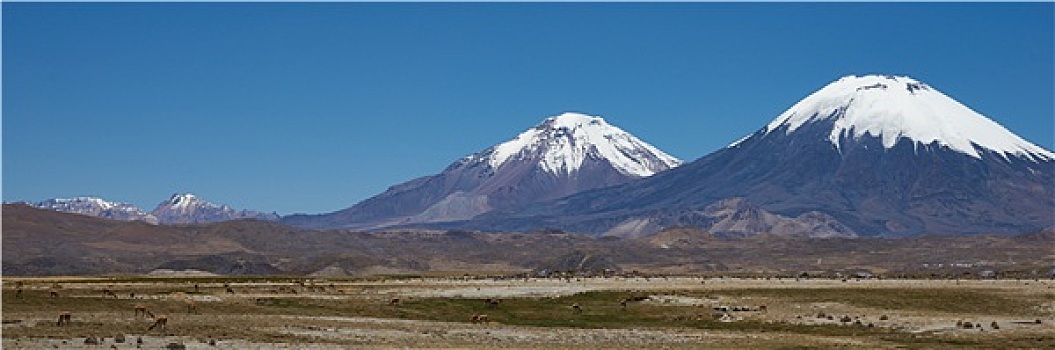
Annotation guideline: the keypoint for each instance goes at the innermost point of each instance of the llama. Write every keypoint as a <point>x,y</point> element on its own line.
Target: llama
<point>160,321</point>
<point>64,318</point>
<point>109,293</point>
<point>141,309</point>
<point>577,308</point>
<point>192,307</point>
<point>479,319</point>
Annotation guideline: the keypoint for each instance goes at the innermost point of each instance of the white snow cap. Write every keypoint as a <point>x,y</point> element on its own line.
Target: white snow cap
<point>183,201</point>
<point>96,201</point>
<point>94,206</point>
<point>85,202</point>
<point>894,107</point>
<point>562,143</point>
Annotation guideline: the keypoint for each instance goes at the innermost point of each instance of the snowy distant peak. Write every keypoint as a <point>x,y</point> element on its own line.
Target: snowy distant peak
<point>895,107</point>
<point>561,144</point>
<point>94,206</point>
<point>83,203</point>
<point>186,208</point>
<point>189,200</point>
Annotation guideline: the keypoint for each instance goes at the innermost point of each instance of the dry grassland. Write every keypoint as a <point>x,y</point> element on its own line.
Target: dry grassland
<point>531,313</point>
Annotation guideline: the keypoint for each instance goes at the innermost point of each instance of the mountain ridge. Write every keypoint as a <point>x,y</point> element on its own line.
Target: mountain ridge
<point>563,154</point>
<point>180,208</point>
<point>186,208</point>
<point>39,242</point>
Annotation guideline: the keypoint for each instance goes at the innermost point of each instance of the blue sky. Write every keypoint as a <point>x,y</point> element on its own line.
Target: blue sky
<point>313,107</point>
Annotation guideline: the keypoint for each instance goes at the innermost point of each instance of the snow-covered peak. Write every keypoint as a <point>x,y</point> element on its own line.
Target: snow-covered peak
<point>85,201</point>
<point>79,202</point>
<point>186,208</point>
<point>95,206</point>
<point>184,201</point>
<point>561,144</point>
<point>894,107</point>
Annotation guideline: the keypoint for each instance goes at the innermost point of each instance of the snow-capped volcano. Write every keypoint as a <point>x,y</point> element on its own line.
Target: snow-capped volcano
<point>186,208</point>
<point>562,144</point>
<point>562,155</point>
<point>98,207</point>
<point>893,108</point>
<point>877,155</point>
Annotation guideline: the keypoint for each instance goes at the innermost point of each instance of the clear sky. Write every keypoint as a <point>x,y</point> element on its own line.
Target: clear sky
<point>313,107</point>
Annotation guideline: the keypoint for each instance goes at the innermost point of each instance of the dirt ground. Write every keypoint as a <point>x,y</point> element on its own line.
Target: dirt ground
<point>301,313</point>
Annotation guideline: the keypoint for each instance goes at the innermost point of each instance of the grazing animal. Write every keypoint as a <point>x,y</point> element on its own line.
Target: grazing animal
<point>18,293</point>
<point>479,319</point>
<point>493,302</point>
<point>160,321</point>
<point>141,309</point>
<point>622,303</point>
<point>230,290</point>
<point>192,307</point>
<point>54,294</point>
<point>394,301</point>
<point>64,318</point>
<point>763,308</point>
<point>109,293</point>
<point>577,308</point>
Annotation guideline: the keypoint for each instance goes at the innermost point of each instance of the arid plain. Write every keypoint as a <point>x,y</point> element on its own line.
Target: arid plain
<point>524,312</point>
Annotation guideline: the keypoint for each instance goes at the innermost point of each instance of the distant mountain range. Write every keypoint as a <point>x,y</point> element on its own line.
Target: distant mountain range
<point>39,242</point>
<point>182,208</point>
<point>97,207</point>
<point>863,156</point>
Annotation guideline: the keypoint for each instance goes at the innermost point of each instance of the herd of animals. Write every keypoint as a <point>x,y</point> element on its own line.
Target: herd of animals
<point>160,321</point>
